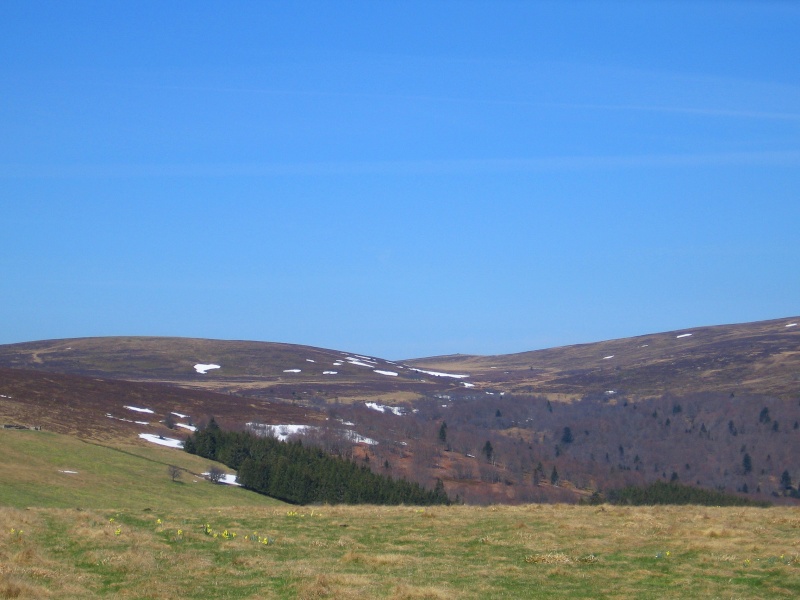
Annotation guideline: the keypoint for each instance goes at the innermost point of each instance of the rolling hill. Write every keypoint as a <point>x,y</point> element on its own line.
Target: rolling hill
<point>761,357</point>
<point>686,405</point>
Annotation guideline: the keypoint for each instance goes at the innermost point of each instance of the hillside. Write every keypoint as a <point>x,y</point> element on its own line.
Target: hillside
<point>257,369</point>
<point>716,407</point>
<point>761,357</point>
<point>46,469</point>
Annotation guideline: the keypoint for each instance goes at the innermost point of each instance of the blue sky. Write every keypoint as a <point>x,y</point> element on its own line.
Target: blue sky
<point>400,179</point>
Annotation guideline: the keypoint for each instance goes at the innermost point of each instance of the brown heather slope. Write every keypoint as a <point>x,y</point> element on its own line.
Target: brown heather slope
<point>256,369</point>
<point>761,358</point>
<point>80,406</point>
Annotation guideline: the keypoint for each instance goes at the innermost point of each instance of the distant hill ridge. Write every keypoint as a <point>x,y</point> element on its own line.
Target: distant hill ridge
<point>760,357</point>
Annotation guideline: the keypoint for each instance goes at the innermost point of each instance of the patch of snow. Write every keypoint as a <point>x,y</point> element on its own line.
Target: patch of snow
<point>607,357</point>
<point>366,358</point>
<point>390,373</point>
<point>281,432</point>
<point>161,440</point>
<point>359,439</point>
<point>180,415</point>
<point>396,410</point>
<point>792,325</point>
<point>4,396</point>
<point>141,410</point>
<point>445,405</point>
<point>330,372</point>
<point>110,416</point>
<point>338,363</point>
<point>202,369</point>
<point>227,479</point>
<point>353,361</point>
<point>610,392</point>
<point>291,370</point>
<point>438,374</point>
<point>470,456</point>
<point>467,384</point>
<point>309,360</point>
<point>644,346</point>
<point>185,426</point>
<point>141,422</point>
<point>68,472</point>
<point>683,335</point>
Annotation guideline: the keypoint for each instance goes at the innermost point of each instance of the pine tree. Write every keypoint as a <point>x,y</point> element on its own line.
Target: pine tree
<point>566,437</point>
<point>747,464</point>
<point>554,476</point>
<point>488,450</point>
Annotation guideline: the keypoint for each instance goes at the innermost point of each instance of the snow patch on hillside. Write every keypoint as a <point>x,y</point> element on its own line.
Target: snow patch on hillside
<point>439,374</point>
<point>284,432</point>
<point>161,440</point>
<point>396,410</point>
<point>185,426</point>
<point>390,373</point>
<point>227,479</point>
<point>608,357</point>
<point>683,335</point>
<point>330,372</point>
<point>202,369</point>
<point>359,439</point>
<point>281,432</point>
<point>354,361</point>
<point>792,325</point>
<point>141,410</point>
<point>291,370</point>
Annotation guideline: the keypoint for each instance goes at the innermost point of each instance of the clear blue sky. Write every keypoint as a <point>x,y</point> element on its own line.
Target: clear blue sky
<point>400,179</point>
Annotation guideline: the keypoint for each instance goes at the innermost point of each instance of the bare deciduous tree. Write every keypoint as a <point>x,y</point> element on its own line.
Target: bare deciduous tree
<point>174,472</point>
<point>215,474</point>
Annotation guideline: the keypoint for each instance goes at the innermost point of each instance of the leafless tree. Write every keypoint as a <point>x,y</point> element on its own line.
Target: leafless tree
<point>174,472</point>
<point>215,474</point>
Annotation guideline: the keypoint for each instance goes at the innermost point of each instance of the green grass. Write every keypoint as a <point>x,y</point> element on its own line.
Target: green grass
<point>402,552</point>
<point>111,478</point>
<point>122,529</point>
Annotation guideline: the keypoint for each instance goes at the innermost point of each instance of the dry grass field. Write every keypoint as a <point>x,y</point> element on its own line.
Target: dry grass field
<point>532,551</point>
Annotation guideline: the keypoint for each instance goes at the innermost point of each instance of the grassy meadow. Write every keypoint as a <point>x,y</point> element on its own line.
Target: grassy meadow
<point>120,528</point>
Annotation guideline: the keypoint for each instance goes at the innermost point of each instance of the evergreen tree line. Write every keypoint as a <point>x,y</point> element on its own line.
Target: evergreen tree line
<point>661,492</point>
<point>298,474</point>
